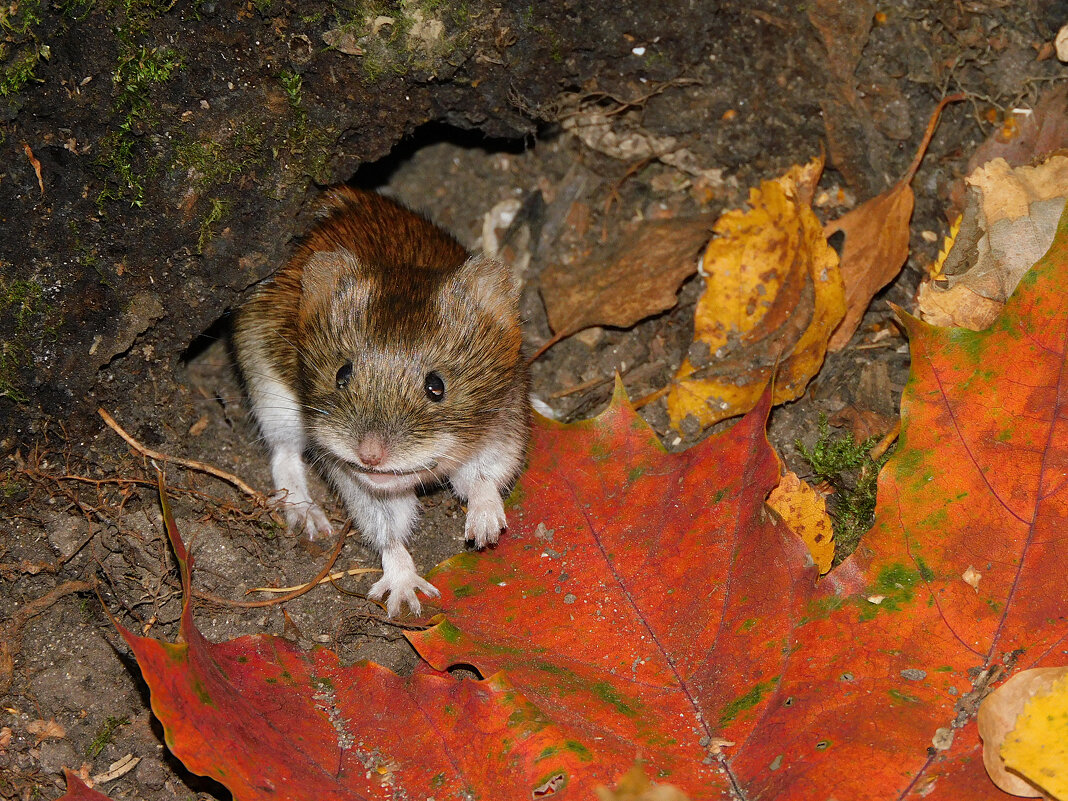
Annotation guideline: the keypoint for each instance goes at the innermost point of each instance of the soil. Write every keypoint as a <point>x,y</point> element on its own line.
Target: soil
<point>748,91</point>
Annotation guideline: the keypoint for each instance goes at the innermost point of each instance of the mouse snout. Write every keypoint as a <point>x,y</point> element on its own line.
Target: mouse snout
<point>371,450</point>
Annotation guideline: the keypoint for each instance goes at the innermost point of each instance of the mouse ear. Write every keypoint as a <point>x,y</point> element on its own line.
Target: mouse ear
<point>331,281</point>
<point>322,271</point>
<point>491,283</point>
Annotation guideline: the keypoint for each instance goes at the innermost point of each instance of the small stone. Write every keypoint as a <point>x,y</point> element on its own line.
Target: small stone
<point>913,674</point>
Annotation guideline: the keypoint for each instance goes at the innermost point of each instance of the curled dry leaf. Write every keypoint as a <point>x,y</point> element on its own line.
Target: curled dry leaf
<point>639,279</point>
<point>1037,747</point>
<point>805,513</point>
<point>772,297</point>
<point>998,716</point>
<point>1008,223</point>
<point>46,730</point>
<point>877,241</point>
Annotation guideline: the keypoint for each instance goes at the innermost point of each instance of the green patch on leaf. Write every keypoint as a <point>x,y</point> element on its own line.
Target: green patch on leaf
<point>747,701</point>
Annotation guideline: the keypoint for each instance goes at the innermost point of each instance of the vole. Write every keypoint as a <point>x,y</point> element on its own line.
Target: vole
<point>390,357</point>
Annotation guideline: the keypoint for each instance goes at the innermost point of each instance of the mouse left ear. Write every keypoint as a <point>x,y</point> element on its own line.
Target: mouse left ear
<point>492,284</point>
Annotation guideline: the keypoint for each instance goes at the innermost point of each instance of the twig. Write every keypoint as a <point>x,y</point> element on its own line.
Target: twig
<point>355,571</point>
<point>652,396</point>
<point>192,464</point>
<point>11,643</point>
<point>207,596</point>
<point>883,445</point>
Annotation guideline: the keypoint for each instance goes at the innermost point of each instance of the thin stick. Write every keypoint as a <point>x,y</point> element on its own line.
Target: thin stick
<point>229,478</point>
<point>548,344</point>
<point>207,596</point>
<point>884,444</point>
<point>652,396</point>
<point>355,571</point>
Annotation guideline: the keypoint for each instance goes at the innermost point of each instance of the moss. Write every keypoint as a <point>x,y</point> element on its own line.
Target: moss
<point>138,71</point>
<point>104,735</point>
<point>219,209</point>
<point>291,85</point>
<point>21,51</point>
<point>845,465</point>
<point>23,308</point>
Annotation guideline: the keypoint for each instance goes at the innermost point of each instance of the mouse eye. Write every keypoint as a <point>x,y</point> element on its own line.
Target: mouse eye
<point>344,373</point>
<point>435,387</point>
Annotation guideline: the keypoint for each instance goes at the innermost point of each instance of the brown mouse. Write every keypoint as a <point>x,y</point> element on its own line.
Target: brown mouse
<point>389,357</point>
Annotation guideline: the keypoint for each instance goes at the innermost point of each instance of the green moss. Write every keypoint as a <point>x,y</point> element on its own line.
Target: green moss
<point>26,323</point>
<point>218,210</point>
<point>845,465</point>
<point>291,85</point>
<point>103,735</point>
<point>137,72</point>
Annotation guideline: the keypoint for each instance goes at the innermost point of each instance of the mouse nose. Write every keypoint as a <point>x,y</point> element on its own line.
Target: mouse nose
<point>371,450</point>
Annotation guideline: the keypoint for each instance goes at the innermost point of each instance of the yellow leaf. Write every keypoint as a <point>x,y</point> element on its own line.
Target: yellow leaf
<point>1037,748</point>
<point>773,294</point>
<point>804,511</point>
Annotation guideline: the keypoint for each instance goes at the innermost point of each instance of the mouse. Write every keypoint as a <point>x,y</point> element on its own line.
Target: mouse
<point>390,358</point>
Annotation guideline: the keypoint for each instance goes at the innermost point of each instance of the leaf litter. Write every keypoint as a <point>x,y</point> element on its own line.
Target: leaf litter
<point>644,600</point>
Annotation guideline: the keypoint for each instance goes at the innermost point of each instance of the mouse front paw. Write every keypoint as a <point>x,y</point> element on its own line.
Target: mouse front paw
<point>485,521</point>
<point>401,587</point>
<point>307,520</point>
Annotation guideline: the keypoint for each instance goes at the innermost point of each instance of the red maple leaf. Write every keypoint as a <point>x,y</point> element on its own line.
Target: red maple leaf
<point>643,605</point>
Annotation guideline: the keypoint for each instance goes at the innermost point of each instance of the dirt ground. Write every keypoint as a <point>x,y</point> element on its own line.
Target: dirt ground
<point>84,509</point>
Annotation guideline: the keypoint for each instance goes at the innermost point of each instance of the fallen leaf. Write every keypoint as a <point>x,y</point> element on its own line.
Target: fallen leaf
<point>804,511</point>
<point>998,715</point>
<point>270,721</point>
<point>46,730</point>
<point>1009,221</point>
<point>844,29</point>
<point>635,786</point>
<point>642,603</point>
<point>77,790</point>
<point>1041,132</point>
<point>772,296</point>
<point>1037,747</point>
<point>639,279</point>
<point>876,241</point>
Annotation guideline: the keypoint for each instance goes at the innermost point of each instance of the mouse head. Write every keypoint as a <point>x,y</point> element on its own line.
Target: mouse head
<point>407,368</point>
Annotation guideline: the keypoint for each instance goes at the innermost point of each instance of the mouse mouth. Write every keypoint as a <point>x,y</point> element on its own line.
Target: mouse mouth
<point>387,472</point>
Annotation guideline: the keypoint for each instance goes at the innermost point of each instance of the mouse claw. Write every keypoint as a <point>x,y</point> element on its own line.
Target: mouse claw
<point>485,524</point>
<point>401,588</point>
<point>308,520</point>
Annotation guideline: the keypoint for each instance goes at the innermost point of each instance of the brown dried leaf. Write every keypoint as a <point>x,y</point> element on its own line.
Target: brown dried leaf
<point>46,729</point>
<point>875,248</point>
<point>639,279</point>
<point>877,241</point>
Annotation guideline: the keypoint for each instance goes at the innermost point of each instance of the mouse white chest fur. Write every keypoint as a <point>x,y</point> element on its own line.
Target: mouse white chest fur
<point>391,358</point>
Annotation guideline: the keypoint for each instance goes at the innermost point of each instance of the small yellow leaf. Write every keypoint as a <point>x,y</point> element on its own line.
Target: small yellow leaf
<point>805,513</point>
<point>1037,748</point>
<point>773,294</point>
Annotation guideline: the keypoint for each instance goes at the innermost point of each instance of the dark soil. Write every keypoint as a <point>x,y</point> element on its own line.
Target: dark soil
<point>747,90</point>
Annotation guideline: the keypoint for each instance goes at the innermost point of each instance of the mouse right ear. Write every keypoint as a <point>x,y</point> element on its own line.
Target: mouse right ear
<point>331,279</point>
<point>323,270</point>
